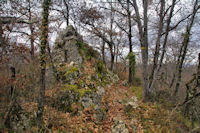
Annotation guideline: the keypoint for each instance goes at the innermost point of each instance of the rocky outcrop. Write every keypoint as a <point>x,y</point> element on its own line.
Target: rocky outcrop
<point>19,120</point>
<point>65,49</point>
<point>131,104</point>
<point>119,126</point>
<point>82,84</point>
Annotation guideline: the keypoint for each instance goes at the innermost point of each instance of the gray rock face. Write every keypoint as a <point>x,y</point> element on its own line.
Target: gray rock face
<point>66,49</point>
<point>119,126</point>
<point>19,120</point>
<point>64,101</point>
<point>125,83</point>
<point>114,78</point>
<point>132,103</point>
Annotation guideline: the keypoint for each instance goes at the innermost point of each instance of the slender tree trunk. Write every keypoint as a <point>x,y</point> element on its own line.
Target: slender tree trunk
<point>1,41</point>
<point>44,41</point>
<point>156,67</point>
<point>111,39</point>
<point>143,32</point>
<point>12,69</point>
<point>112,60</point>
<point>177,64</point>
<point>130,42</point>
<point>166,34</point>
<point>67,8</point>
<point>103,51</point>
<point>32,42</point>
<point>157,49</point>
<point>185,46</point>
<point>32,30</point>
<point>144,48</point>
<point>52,63</point>
<point>116,57</point>
<point>198,73</point>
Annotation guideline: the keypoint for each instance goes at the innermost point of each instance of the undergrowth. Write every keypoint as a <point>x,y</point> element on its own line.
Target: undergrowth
<point>159,117</point>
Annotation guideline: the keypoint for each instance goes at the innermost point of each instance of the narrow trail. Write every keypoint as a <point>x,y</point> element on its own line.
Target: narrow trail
<point>115,95</point>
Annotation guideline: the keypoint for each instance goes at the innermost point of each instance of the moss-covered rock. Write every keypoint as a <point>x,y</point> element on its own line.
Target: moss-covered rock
<point>86,51</point>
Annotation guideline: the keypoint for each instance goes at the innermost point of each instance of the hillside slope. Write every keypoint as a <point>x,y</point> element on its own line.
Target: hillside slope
<point>86,97</point>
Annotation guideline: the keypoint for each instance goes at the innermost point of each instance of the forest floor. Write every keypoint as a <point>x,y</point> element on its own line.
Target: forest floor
<point>147,117</point>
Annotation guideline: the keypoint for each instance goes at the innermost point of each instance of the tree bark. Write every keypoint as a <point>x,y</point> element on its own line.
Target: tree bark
<point>44,41</point>
<point>111,38</point>
<point>185,46</point>
<point>1,42</point>
<point>67,8</point>
<point>103,51</point>
<point>130,42</point>
<point>166,34</point>
<point>143,33</point>
<point>144,48</point>
<point>157,49</point>
<point>32,30</point>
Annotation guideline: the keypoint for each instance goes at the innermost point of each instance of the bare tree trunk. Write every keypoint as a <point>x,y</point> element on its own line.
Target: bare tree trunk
<point>177,64</point>
<point>156,67</point>
<point>116,57</point>
<point>130,42</point>
<point>185,46</point>
<point>44,41</point>
<point>67,8</point>
<point>112,61</point>
<point>103,51</point>
<point>52,63</point>
<point>111,39</point>
<point>166,34</point>
<point>157,49</point>
<point>143,32</point>
<point>12,69</point>
<point>1,41</point>
<point>32,30</point>
<point>147,92</point>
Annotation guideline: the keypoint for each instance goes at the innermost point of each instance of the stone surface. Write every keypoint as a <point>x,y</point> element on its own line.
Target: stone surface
<point>132,103</point>
<point>125,83</point>
<point>133,125</point>
<point>113,77</point>
<point>119,126</point>
<point>65,48</point>
<point>19,120</point>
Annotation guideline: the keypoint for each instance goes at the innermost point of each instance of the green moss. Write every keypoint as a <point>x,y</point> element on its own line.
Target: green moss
<point>80,83</point>
<point>131,58</point>
<point>82,92</point>
<point>187,122</point>
<point>66,74</point>
<point>76,89</point>
<point>102,74</point>
<point>101,69</point>
<point>86,51</point>
<point>70,87</point>
<point>138,91</point>
<point>93,106</point>
<point>71,70</point>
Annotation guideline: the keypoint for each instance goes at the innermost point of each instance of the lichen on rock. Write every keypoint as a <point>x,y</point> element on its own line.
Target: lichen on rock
<point>119,126</point>
<point>65,49</point>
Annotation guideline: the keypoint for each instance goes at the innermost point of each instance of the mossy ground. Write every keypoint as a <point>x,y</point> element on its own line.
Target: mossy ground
<point>159,117</point>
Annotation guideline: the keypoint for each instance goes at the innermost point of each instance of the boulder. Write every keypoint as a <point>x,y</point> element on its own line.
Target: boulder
<point>65,49</point>
<point>125,83</point>
<point>119,126</point>
<point>132,103</point>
